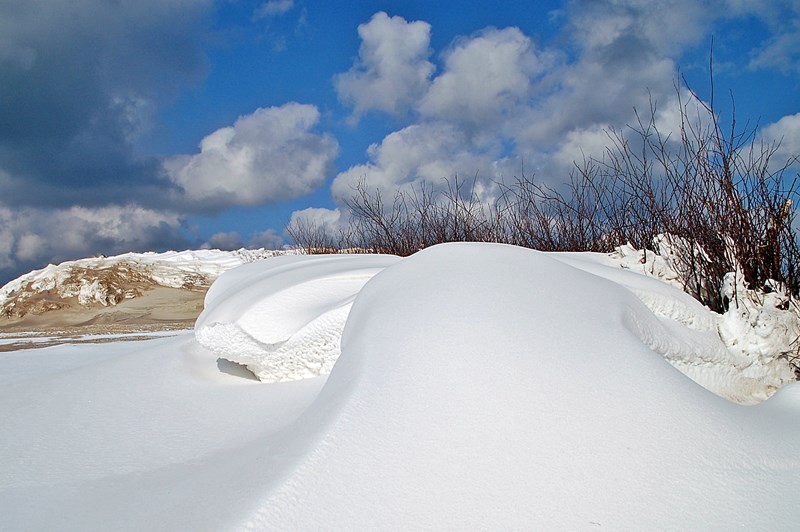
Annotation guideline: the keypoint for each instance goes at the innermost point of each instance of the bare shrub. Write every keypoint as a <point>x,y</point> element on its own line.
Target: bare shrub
<point>314,238</point>
<point>420,217</point>
<point>715,199</point>
<point>719,200</point>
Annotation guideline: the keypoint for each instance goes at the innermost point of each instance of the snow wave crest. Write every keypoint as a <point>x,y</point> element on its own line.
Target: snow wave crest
<point>284,319</point>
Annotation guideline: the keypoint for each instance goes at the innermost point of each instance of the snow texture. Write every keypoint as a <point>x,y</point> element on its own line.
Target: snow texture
<point>479,386</point>
<point>725,354</point>
<point>284,320</point>
<point>500,388</point>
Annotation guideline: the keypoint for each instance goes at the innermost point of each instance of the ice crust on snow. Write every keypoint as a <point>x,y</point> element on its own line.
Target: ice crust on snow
<point>478,386</point>
<point>283,319</point>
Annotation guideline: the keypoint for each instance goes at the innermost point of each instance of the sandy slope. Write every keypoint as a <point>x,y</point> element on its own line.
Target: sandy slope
<point>158,309</point>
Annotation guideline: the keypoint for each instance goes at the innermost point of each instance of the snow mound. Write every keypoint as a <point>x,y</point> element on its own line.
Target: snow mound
<point>487,386</point>
<point>283,319</point>
<point>479,386</point>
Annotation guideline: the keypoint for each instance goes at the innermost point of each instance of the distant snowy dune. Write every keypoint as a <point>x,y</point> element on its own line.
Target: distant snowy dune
<point>107,281</point>
<point>469,386</point>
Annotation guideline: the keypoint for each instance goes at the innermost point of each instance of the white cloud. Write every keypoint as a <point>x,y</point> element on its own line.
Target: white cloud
<point>327,219</point>
<point>224,240</point>
<point>128,226</point>
<point>392,71</point>
<point>782,51</point>
<point>273,8</point>
<point>32,236</point>
<point>499,101</point>
<point>269,239</point>
<point>314,226</point>
<point>30,247</point>
<point>429,153</point>
<point>786,132</point>
<point>272,154</point>
<point>484,78</point>
<point>7,242</point>
<point>592,95</point>
<point>626,28</point>
<point>579,144</point>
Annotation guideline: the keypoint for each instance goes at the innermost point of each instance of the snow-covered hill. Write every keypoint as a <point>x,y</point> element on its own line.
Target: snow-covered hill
<point>107,281</point>
<point>469,386</point>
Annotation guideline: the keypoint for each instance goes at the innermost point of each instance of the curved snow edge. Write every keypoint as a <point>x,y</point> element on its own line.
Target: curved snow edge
<point>283,320</point>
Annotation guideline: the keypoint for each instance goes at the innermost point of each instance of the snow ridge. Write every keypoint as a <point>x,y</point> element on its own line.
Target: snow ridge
<point>284,319</point>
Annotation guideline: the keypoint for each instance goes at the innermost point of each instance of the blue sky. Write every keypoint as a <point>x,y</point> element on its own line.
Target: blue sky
<point>156,124</point>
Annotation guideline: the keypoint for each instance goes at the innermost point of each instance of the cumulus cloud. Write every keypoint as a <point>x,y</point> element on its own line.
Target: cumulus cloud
<point>223,240</point>
<point>620,29</point>
<point>269,239</point>
<point>484,78</point>
<point>392,70</point>
<point>269,155</point>
<point>328,220</point>
<point>7,261</point>
<point>30,236</point>
<point>786,134</point>
<point>781,51</point>
<point>429,153</point>
<point>593,92</point>
<point>499,100</point>
<point>30,247</point>
<point>624,62</point>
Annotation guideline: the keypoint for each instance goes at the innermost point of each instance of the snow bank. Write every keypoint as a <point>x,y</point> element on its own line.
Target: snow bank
<point>283,319</point>
<point>479,386</point>
<point>730,354</point>
<point>486,386</point>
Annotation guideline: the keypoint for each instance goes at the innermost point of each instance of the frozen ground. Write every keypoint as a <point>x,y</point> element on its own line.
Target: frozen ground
<point>468,386</point>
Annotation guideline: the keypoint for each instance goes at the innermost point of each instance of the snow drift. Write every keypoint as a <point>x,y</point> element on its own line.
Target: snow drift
<point>477,386</point>
<point>486,386</point>
<point>283,320</point>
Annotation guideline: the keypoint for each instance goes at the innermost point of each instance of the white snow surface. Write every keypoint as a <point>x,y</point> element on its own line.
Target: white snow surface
<point>478,386</point>
<point>283,320</point>
<point>735,355</point>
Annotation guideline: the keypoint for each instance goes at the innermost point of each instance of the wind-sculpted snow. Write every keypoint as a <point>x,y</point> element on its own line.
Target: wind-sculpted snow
<point>501,389</point>
<point>479,386</point>
<point>283,320</point>
<point>735,355</point>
